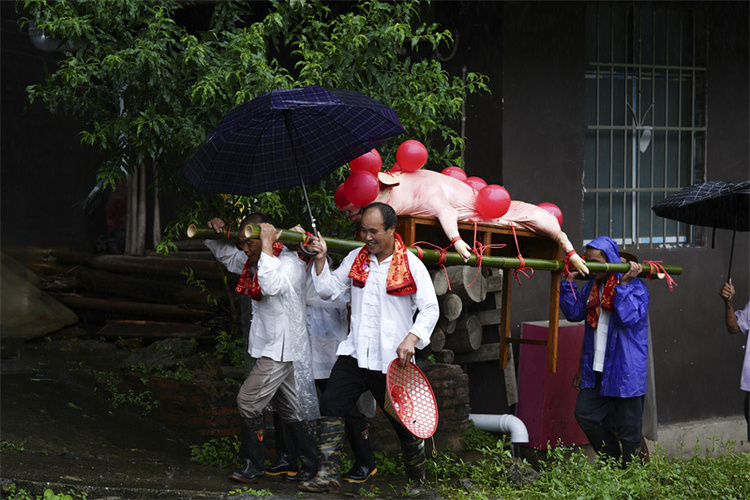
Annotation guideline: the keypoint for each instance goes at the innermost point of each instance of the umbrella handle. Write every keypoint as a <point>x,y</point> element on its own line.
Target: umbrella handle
<point>304,250</point>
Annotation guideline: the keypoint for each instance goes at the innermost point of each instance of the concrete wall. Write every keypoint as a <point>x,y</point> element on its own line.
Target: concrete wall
<point>534,54</point>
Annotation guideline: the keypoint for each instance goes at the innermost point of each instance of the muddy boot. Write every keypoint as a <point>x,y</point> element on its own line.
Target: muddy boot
<point>415,463</point>
<point>364,463</point>
<point>303,435</point>
<point>286,461</point>
<point>252,450</point>
<point>330,439</point>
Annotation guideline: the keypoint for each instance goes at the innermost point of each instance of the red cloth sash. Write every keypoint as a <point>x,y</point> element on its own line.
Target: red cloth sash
<point>248,283</point>
<point>399,280</point>
<point>607,300</point>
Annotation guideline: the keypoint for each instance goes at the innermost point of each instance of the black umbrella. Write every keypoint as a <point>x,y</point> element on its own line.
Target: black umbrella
<point>716,204</point>
<point>289,137</point>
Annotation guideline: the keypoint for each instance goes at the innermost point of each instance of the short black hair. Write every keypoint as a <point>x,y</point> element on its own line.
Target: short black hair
<point>254,218</point>
<point>390,219</point>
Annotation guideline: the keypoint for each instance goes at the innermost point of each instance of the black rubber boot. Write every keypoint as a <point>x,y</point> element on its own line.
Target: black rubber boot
<point>359,439</point>
<point>286,456</point>
<point>252,450</point>
<point>415,463</point>
<point>305,442</point>
<point>330,439</point>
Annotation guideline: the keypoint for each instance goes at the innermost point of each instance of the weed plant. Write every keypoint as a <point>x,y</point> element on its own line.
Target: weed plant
<point>566,473</point>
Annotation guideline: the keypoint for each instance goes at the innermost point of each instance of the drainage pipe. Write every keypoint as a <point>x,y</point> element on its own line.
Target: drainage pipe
<point>507,424</point>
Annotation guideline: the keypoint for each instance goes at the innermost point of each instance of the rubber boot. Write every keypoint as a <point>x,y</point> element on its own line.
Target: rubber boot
<point>303,435</point>
<point>415,463</point>
<point>330,439</point>
<point>252,450</point>
<point>364,464</point>
<point>286,461</point>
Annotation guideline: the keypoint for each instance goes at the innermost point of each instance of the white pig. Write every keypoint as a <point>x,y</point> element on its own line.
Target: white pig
<point>431,194</point>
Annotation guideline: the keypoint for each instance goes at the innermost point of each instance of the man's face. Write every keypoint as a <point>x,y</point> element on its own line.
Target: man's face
<point>596,255</point>
<point>379,241</point>
<point>252,248</point>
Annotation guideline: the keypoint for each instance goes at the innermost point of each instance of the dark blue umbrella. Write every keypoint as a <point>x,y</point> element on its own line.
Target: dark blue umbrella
<point>289,137</point>
<point>716,204</point>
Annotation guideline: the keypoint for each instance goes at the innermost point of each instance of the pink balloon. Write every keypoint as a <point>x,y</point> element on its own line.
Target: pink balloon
<point>361,188</point>
<point>493,201</point>
<point>339,197</point>
<point>553,209</point>
<point>476,182</point>
<point>368,162</point>
<point>456,173</point>
<point>411,155</point>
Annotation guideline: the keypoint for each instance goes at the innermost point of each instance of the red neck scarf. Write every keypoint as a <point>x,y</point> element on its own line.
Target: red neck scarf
<point>399,280</point>
<point>607,300</point>
<point>248,283</point>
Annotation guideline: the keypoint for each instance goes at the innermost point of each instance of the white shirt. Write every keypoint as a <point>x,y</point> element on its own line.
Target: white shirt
<point>600,337</point>
<point>380,321</point>
<point>278,330</point>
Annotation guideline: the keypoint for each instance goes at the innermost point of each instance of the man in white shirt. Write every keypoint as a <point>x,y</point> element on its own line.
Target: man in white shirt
<point>388,285</point>
<point>275,279</point>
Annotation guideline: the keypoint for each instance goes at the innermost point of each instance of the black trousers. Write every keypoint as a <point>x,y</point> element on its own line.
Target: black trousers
<point>612,425</point>
<point>347,383</point>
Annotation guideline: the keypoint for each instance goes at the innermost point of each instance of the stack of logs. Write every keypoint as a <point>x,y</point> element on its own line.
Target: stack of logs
<point>462,292</point>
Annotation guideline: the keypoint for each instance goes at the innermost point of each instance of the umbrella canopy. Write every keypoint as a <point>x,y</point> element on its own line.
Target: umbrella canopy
<point>716,204</point>
<point>289,137</point>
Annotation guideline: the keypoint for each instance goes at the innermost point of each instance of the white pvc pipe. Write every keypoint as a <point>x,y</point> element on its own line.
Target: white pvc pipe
<point>507,424</point>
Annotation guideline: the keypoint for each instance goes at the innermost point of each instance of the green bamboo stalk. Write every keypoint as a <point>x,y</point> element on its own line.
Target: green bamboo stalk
<point>430,256</point>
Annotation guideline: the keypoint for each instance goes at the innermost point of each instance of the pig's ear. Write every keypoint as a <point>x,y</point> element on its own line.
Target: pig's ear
<point>388,179</point>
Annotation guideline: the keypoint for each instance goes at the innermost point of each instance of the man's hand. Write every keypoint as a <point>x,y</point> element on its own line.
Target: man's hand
<point>318,244</point>
<point>577,381</point>
<point>268,236</point>
<point>216,224</point>
<point>406,350</point>
<point>727,291</point>
<point>635,270</point>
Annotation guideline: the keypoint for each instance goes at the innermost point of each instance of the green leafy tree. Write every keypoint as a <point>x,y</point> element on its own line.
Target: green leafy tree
<point>150,91</point>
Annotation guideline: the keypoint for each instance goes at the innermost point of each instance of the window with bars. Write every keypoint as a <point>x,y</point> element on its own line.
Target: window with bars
<point>645,119</point>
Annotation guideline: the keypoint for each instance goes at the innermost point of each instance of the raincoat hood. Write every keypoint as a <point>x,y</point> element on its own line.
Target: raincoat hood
<point>609,247</point>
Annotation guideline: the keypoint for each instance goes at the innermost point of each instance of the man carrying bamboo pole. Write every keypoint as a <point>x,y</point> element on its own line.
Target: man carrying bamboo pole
<point>614,356</point>
<point>388,284</point>
<point>275,279</point>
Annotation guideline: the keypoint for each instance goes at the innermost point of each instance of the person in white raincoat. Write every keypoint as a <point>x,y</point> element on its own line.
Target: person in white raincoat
<point>275,278</point>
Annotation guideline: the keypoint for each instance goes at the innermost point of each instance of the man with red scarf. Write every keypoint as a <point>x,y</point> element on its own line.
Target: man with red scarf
<point>614,356</point>
<point>388,285</point>
<point>274,278</point>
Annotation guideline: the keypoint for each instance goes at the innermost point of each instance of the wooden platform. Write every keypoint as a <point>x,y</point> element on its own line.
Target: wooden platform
<point>415,229</point>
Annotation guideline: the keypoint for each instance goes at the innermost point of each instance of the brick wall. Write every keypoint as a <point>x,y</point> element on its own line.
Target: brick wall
<point>203,410</point>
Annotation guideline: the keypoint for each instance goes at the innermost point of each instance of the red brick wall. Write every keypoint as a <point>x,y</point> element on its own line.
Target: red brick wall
<point>207,409</point>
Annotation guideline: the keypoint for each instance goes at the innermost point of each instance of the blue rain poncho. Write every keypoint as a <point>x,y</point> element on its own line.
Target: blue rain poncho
<point>626,357</point>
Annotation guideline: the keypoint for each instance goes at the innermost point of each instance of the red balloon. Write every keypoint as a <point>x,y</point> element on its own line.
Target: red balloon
<point>339,197</point>
<point>476,182</point>
<point>368,162</point>
<point>361,188</point>
<point>553,209</point>
<point>396,168</point>
<point>493,201</point>
<point>456,173</point>
<point>411,155</point>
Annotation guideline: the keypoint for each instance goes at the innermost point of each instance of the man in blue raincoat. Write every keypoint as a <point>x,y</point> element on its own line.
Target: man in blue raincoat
<point>614,356</point>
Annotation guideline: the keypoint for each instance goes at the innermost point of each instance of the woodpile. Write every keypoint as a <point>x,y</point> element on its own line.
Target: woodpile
<point>462,292</point>
<point>146,297</point>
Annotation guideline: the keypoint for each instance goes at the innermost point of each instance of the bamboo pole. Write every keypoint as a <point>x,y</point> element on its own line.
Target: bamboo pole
<point>430,256</point>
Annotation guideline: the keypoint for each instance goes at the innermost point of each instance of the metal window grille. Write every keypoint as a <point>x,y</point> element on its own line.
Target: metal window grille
<point>645,120</point>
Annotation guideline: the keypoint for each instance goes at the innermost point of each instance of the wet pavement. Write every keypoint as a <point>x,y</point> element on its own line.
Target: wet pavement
<point>58,433</point>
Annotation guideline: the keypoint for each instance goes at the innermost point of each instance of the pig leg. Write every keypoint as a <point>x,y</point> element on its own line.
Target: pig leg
<point>448,218</point>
